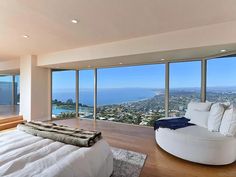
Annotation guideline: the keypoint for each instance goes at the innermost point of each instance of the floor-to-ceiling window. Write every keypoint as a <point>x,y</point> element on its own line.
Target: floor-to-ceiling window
<point>136,94</point>
<point>86,93</point>
<point>133,95</point>
<point>63,93</point>
<point>221,79</point>
<point>185,85</point>
<point>9,95</point>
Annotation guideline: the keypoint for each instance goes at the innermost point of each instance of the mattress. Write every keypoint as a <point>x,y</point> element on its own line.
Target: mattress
<point>25,155</point>
<point>197,144</point>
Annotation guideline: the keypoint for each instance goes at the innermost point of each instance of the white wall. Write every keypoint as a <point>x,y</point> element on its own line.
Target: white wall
<point>25,87</point>
<point>34,90</point>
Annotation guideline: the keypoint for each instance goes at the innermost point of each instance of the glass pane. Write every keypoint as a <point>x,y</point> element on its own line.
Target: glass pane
<point>221,79</point>
<point>6,90</point>
<point>63,94</point>
<point>133,95</point>
<point>86,93</point>
<point>8,106</point>
<point>185,85</point>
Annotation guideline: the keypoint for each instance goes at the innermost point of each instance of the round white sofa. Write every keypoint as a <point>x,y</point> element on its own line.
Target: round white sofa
<point>197,144</point>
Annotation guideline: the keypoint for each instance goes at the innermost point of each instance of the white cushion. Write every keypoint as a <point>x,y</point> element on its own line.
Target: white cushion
<point>215,117</point>
<point>200,106</point>
<point>199,118</point>
<point>228,124</point>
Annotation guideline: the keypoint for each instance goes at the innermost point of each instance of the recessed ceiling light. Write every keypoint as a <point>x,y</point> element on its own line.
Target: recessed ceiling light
<point>25,36</point>
<point>223,50</point>
<point>74,21</point>
<point>162,59</point>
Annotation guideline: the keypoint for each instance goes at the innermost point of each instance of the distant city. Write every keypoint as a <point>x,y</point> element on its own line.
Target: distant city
<point>141,107</point>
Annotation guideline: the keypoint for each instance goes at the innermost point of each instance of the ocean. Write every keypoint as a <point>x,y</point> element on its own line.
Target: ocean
<point>104,97</point>
<point>107,96</point>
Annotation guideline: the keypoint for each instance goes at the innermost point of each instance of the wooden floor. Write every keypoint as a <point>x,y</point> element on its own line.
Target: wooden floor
<point>141,139</point>
<point>10,122</point>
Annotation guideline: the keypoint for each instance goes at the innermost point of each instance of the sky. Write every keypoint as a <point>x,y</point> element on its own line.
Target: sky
<point>220,72</point>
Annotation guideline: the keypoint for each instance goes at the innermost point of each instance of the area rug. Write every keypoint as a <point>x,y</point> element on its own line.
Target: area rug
<point>127,163</point>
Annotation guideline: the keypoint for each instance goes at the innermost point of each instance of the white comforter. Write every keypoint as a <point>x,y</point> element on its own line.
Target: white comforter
<point>22,155</point>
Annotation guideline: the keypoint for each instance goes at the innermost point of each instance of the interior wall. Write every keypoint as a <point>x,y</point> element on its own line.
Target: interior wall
<point>34,89</point>
<point>25,87</point>
<point>40,92</point>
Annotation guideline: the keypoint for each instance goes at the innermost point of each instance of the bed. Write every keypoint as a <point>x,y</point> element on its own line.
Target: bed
<point>24,155</point>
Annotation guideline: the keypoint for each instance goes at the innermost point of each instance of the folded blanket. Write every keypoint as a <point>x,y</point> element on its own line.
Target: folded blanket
<point>64,134</point>
<point>173,124</point>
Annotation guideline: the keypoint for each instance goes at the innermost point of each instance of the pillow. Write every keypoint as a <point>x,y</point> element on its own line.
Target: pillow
<point>215,117</point>
<point>199,106</point>
<point>199,118</point>
<point>228,124</point>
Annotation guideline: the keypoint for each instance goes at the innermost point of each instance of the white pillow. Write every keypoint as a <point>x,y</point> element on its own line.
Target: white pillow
<point>199,106</point>
<point>199,118</point>
<point>215,117</point>
<point>228,124</point>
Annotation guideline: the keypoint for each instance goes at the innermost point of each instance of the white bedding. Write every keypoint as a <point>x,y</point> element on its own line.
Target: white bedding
<point>25,155</point>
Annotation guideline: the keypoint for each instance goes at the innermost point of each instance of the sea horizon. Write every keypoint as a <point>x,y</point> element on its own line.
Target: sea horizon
<point>123,95</point>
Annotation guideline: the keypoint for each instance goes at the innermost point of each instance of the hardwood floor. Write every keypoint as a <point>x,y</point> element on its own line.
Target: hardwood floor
<point>10,122</point>
<point>141,139</point>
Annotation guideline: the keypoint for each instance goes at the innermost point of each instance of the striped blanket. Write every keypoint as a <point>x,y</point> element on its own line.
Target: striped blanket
<point>64,134</point>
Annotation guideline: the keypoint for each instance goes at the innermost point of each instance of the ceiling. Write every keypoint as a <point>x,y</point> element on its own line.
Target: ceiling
<point>48,22</point>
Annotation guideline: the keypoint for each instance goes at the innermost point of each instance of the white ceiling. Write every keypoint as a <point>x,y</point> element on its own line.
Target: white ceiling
<point>47,22</point>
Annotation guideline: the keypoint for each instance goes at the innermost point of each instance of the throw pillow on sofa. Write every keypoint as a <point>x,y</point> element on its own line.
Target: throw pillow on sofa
<point>215,117</point>
<point>198,106</point>
<point>228,124</point>
<point>199,118</point>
